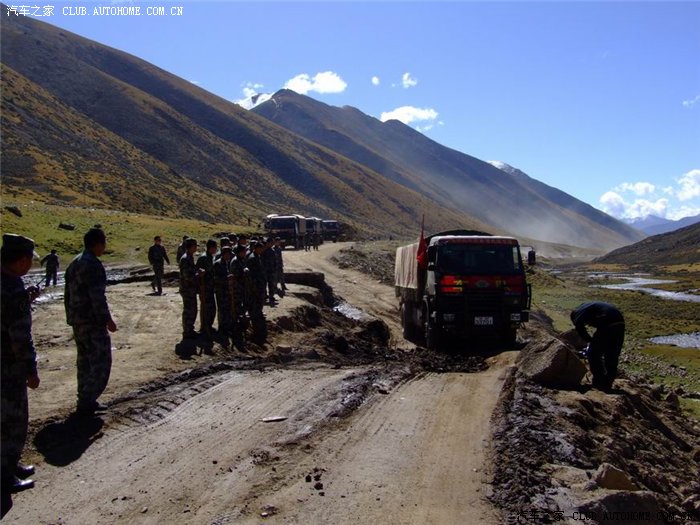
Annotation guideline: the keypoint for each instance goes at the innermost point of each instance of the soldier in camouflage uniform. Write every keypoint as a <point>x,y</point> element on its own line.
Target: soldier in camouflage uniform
<point>189,287</point>
<point>207,300</point>
<point>239,271</point>
<point>88,313</point>
<point>222,275</point>
<point>269,262</point>
<point>182,249</point>
<point>157,256</point>
<point>18,364</point>
<point>279,267</point>
<point>256,299</point>
<point>243,241</point>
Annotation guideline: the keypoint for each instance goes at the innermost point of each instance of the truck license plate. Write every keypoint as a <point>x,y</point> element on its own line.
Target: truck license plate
<point>483,321</point>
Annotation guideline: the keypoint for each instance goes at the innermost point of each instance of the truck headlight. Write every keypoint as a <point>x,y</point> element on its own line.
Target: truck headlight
<point>515,317</point>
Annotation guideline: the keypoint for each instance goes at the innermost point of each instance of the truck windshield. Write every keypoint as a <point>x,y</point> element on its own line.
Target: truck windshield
<point>281,224</point>
<point>478,259</point>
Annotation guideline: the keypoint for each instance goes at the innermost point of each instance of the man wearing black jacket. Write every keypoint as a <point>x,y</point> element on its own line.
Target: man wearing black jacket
<point>157,256</point>
<point>606,343</point>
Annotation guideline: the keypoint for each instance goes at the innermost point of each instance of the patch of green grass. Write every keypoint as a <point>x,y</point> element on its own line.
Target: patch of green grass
<point>129,235</point>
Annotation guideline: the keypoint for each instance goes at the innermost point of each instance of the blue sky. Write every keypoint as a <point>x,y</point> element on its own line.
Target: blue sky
<point>599,99</point>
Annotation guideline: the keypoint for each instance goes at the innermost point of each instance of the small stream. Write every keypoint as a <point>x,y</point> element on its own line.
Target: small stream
<point>352,312</point>
<point>641,284</point>
<point>680,340</point>
<point>37,278</point>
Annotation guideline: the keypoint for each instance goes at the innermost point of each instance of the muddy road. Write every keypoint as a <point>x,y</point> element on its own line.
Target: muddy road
<point>285,433</point>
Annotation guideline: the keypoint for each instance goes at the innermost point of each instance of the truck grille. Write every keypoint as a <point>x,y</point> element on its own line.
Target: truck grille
<point>484,301</point>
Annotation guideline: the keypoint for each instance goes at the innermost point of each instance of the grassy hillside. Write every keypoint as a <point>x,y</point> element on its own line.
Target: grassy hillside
<point>129,235</point>
<point>680,247</point>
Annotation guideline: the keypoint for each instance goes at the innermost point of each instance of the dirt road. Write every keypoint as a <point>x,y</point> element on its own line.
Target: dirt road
<point>358,444</point>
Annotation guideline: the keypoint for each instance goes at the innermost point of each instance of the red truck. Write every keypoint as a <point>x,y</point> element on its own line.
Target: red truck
<point>467,284</point>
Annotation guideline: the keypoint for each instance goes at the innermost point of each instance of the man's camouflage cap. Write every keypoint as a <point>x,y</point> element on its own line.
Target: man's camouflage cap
<point>18,244</point>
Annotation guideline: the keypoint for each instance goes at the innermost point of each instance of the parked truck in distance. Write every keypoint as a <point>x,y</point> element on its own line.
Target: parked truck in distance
<point>291,229</point>
<point>331,230</point>
<point>467,284</point>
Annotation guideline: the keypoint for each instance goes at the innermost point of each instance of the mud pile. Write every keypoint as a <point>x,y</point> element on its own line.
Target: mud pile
<point>549,445</point>
<point>327,336</point>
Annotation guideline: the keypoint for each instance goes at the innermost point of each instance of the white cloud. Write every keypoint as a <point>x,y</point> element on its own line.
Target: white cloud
<point>613,204</point>
<point>683,211</point>
<point>638,188</point>
<point>631,200</point>
<point>407,81</point>
<point>689,185</point>
<point>691,103</point>
<point>408,114</point>
<point>325,82</point>
<point>195,82</point>
<point>375,81</point>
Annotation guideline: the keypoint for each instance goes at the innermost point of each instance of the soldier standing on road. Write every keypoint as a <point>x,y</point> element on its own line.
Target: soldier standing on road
<point>182,249</point>
<point>243,241</point>
<point>606,344</point>
<point>88,313</point>
<point>239,271</point>
<point>269,261</point>
<point>52,264</point>
<point>157,256</point>
<point>282,287</point>
<point>221,287</point>
<point>189,288</point>
<point>205,265</point>
<point>18,362</point>
<point>257,296</point>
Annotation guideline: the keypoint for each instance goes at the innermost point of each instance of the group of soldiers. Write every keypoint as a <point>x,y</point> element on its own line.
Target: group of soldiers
<point>231,281</point>
<point>311,241</point>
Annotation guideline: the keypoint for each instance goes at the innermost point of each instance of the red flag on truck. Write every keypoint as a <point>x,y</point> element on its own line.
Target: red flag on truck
<point>422,254</point>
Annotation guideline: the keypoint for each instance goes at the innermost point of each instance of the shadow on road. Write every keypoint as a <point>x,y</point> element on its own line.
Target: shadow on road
<point>63,442</point>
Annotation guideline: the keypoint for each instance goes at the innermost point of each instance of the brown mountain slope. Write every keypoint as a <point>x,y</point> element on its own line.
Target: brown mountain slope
<point>677,247</point>
<point>94,125</point>
<point>517,204</point>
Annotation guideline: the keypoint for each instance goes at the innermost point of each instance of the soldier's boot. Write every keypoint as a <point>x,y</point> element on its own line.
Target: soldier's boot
<point>24,471</point>
<point>14,485</point>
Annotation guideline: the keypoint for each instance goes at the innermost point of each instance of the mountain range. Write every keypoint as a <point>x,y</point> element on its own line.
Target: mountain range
<point>653,225</point>
<point>87,124</point>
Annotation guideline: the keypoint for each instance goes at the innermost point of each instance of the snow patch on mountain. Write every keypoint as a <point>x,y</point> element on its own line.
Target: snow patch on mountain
<point>254,100</point>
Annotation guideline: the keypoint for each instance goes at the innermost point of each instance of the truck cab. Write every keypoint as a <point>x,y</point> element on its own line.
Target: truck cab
<point>472,285</point>
<point>291,229</point>
<point>331,230</point>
